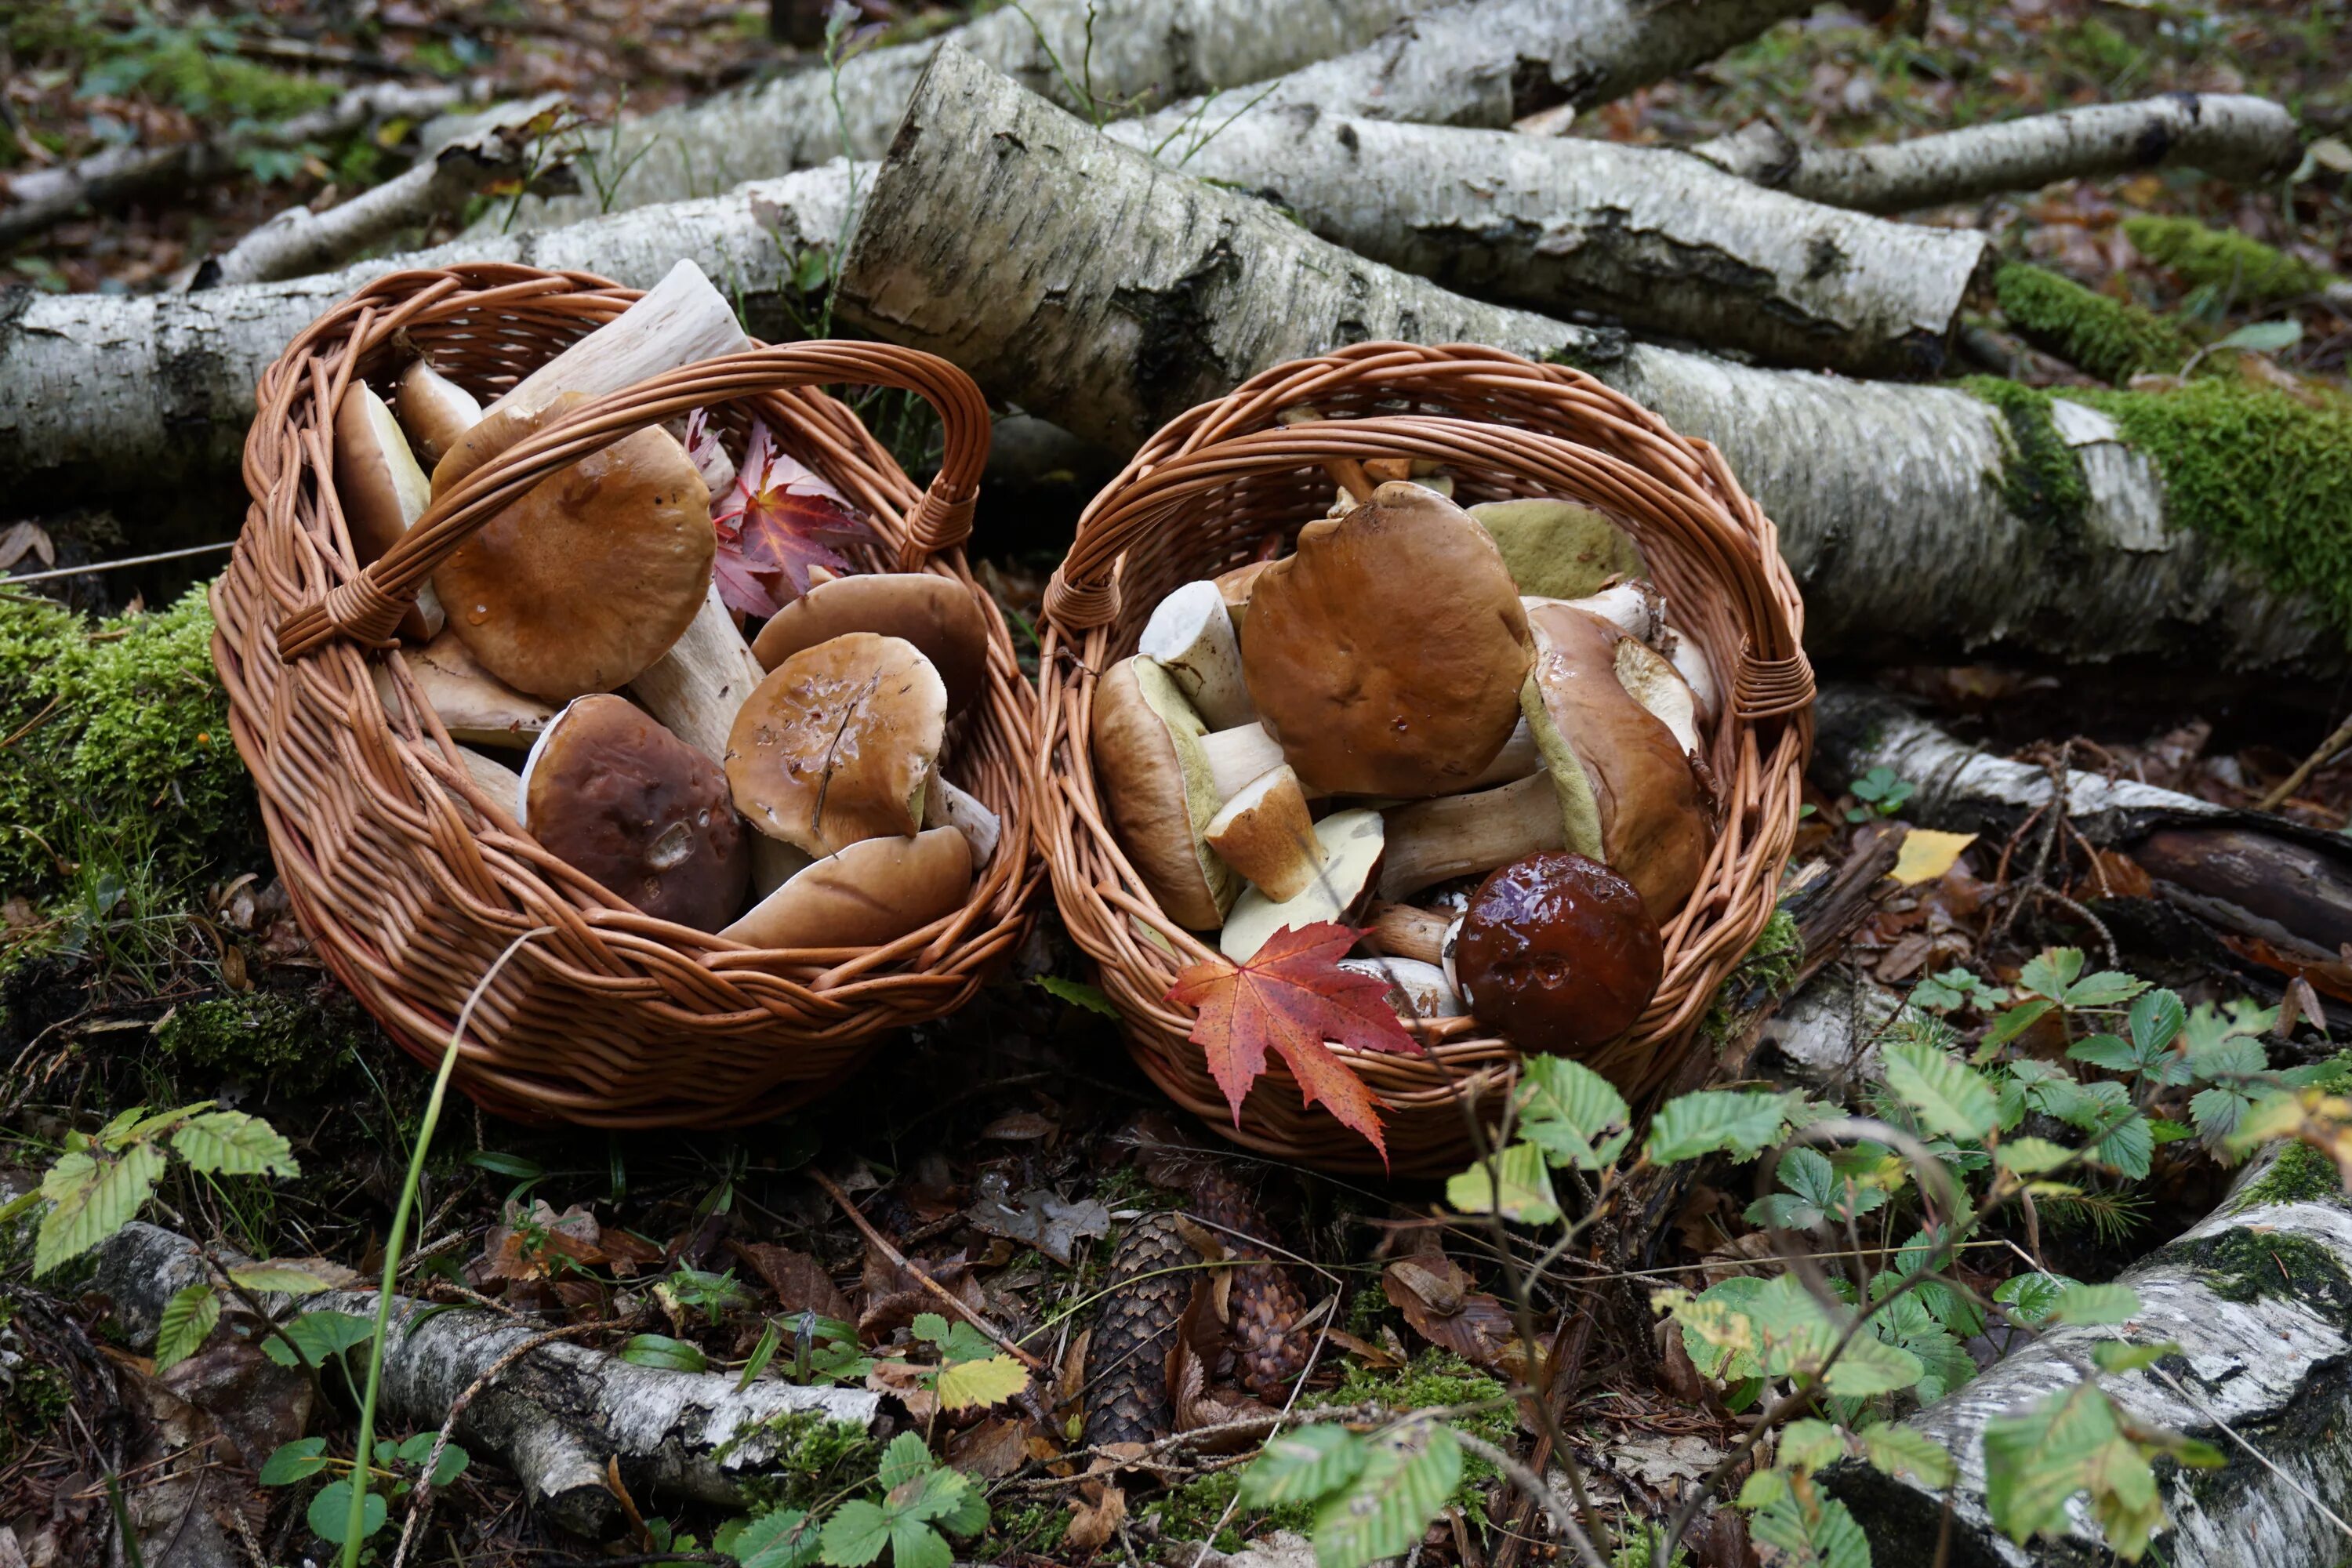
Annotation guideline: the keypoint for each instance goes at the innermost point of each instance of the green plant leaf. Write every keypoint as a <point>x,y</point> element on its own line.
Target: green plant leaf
<point>2073,1442</point>
<point>2112,1052</point>
<point>761,1353</point>
<point>1742,1124</point>
<point>1572,1113</point>
<point>1808,1444</point>
<point>231,1143</point>
<point>1077,994</point>
<point>1304,1466</point>
<point>320,1337</point>
<point>1527,1195</point>
<point>664,1353</point>
<point>295,1461</point>
<point>330,1512</point>
<point>970,1384</point>
<point>2265,337</point>
<point>1901,1450</point>
<point>856,1535</point>
<point>1826,1536</point>
<point>2031,1157</point>
<point>1410,1470</point>
<point>906,1458</point>
<point>2050,972</point>
<point>187,1318</point>
<point>90,1198</point>
<point>2129,1146</point>
<point>2157,1020</point>
<point>2013,1021</point>
<point>915,1545</point>
<point>1951,1097</point>
<point>1871,1365</point>
<point>930,1328</point>
<point>2095,1304</point>
<point>2104,989</point>
<point>969,1516</point>
<point>2031,1297</point>
<point>787,1537</point>
<point>514,1167</point>
<point>279,1276</point>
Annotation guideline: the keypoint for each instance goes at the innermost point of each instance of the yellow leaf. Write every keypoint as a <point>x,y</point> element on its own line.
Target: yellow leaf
<point>970,1383</point>
<point>1927,854</point>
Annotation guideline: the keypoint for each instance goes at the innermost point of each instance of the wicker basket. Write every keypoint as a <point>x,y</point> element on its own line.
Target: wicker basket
<point>412,881</point>
<point>1225,482</point>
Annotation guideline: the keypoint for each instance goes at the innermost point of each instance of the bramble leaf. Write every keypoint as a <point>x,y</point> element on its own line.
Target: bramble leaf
<point>187,1319</point>
<point>1304,1466</point>
<point>90,1198</point>
<point>1951,1097</point>
<point>1740,1124</point>
<point>1410,1470</point>
<point>1572,1113</point>
<point>231,1143</point>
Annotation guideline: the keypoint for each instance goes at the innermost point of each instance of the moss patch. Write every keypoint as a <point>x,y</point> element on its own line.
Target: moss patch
<point>1761,977</point>
<point>2242,1266</point>
<point>294,1043</point>
<point>2042,482</point>
<point>2222,258</point>
<point>2300,1175</point>
<point>812,1457</point>
<point>121,732</point>
<point>2103,337</point>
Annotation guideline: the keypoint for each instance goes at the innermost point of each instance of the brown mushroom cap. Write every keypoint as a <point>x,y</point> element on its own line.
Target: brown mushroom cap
<point>1625,784</point>
<point>937,614</point>
<point>1556,952</point>
<point>614,795</point>
<point>591,576</point>
<point>1385,655</point>
<point>838,742</point>
<point>434,410</point>
<point>382,491</point>
<point>1156,780</point>
<point>873,891</point>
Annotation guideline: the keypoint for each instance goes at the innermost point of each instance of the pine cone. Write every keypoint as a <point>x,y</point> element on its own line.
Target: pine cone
<point>1266,1305</point>
<point>1126,1355</point>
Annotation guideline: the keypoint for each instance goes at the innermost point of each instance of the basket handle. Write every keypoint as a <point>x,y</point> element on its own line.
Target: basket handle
<point>369,606</point>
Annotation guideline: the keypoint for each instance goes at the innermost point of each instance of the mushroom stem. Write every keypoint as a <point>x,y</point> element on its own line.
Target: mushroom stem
<point>682,319</point>
<point>1346,472</point>
<point>947,806</point>
<point>434,410</point>
<point>1404,931</point>
<point>1417,990</point>
<point>1191,636</point>
<point>1265,833</point>
<point>1349,844</point>
<point>492,777</point>
<point>1455,835</point>
<point>1240,755</point>
<point>696,687</point>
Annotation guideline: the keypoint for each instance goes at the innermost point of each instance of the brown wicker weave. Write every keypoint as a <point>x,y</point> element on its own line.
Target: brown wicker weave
<point>411,880</point>
<point>1224,484</point>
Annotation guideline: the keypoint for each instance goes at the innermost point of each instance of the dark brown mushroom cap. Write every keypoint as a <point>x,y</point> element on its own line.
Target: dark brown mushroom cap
<point>1386,655</point>
<point>937,614</point>
<point>1557,954</point>
<point>838,742</point>
<point>617,797</point>
<point>591,576</point>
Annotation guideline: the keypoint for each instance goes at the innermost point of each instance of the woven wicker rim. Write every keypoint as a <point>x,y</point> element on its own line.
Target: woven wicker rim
<point>1222,483</point>
<point>411,880</point>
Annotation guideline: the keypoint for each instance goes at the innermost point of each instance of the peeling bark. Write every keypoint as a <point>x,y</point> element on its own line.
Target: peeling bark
<point>1109,293</point>
<point>2235,136</point>
<point>555,1418</point>
<point>1660,240</point>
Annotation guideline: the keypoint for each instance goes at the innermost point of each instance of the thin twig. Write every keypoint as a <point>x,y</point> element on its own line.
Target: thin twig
<point>55,571</point>
<point>898,1259</point>
<point>2337,739</point>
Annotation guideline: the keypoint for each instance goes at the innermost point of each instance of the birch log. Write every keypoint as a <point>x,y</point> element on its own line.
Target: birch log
<point>1660,240</point>
<point>556,1417</point>
<point>2258,1298</point>
<point>2233,135</point>
<point>1108,293</point>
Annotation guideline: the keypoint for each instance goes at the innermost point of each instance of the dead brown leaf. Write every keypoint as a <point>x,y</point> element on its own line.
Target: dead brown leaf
<point>1194,1357</point>
<point>1436,1296</point>
<point>1097,1513</point>
<point>993,1449</point>
<point>800,1282</point>
<point>903,1382</point>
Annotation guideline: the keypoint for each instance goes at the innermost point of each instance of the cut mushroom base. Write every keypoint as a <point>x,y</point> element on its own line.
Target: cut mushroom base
<point>1350,842</point>
<point>702,682</point>
<point>1417,991</point>
<point>1265,832</point>
<point>1455,835</point>
<point>1190,634</point>
<point>383,492</point>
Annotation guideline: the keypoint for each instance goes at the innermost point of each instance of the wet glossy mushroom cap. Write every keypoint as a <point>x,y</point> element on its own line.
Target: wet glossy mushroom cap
<point>1157,780</point>
<point>873,891</point>
<point>382,491</point>
<point>591,576</point>
<point>434,410</point>
<point>937,614</point>
<point>837,744</point>
<point>1384,654</point>
<point>1556,952</point>
<point>617,797</point>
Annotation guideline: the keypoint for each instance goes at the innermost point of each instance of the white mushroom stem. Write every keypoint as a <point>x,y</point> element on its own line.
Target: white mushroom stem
<point>1266,834</point>
<point>1416,990</point>
<point>492,777</point>
<point>1191,636</point>
<point>682,318</point>
<point>696,687</point>
<point>1455,835</point>
<point>1240,755</point>
<point>1404,931</point>
<point>1350,844</point>
<point>947,806</point>
<point>1635,607</point>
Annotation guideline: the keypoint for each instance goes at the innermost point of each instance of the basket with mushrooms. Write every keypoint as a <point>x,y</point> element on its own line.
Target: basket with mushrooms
<point>1468,660</point>
<point>575,622</point>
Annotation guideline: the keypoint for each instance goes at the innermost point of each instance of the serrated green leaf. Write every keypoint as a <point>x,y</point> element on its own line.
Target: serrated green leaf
<point>2129,1147</point>
<point>330,1512</point>
<point>1526,1197</point>
<point>2157,1020</point>
<point>1572,1113</point>
<point>1410,1470</point>
<point>231,1143</point>
<point>2095,1304</point>
<point>933,1494</point>
<point>856,1535</point>
<point>1762,1488</point>
<point>664,1353</point>
<point>2031,1298</point>
<point>787,1537</point>
<point>1740,1123</point>
<point>2032,1156</point>
<point>2073,1442</point>
<point>1902,1450</point>
<point>1871,1365</point>
<point>1949,1097</point>
<point>90,1198</point>
<point>1810,1445</point>
<point>970,1515</point>
<point>915,1545</point>
<point>279,1276</point>
<point>930,1328</point>
<point>907,1458</point>
<point>1304,1466</point>
<point>188,1317</point>
<point>2112,1052</point>
<point>2013,1021</point>
<point>1825,1537</point>
<point>1078,994</point>
<point>970,1384</point>
<point>2104,989</point>
<point>295,1461</point>
<point>2217,1112</point>
<point>966,1343</point>
<point>2050,972</point>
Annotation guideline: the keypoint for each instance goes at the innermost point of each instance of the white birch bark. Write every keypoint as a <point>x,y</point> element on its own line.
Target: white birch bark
<point>1103,291</point>
<point>554,1418</point>
<point>1658,239</point>
<point>2235,136</point>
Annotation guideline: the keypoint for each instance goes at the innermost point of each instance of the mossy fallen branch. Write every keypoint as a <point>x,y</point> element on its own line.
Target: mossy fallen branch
<point>2223,259</point>
<point>2106,337</point>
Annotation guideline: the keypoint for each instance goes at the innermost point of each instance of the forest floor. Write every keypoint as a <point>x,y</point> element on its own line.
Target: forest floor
<point>138,976</point>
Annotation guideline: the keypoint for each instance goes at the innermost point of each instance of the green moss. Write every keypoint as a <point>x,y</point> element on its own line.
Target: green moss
<point>2042,482</point>
<point>120,733</point>
<point>810,1458</point>
<point>2261,472</point>
<point>2103,337</point>
<point>190,69</point>
<point>1190,1512</point>
<point>1036,1531</point>
<point>2240,1265</point>
<point>2300,1175</point>
<point>1433,1380</point>
<point>1772,962</point>
<point>296,1043</point>
<point>2222,258</point>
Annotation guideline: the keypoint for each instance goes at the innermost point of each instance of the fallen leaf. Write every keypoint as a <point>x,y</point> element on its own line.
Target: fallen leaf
<point>1199,1345</point>
<point>801,1282</point>
<point>780,521</point>
<point>1292,996</point>
<point>1053,1225</point>
<point>1927,855</point>
<point>907,1383</point>
<point>993,1449</point>
<point>1020,1127</point>
<point>1435,1296</point>
<point>1095,1521</point>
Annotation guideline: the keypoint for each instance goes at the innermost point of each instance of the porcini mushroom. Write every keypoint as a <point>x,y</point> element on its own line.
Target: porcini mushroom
<point>1651,678</point>
<point>1236,586</point>
<point>947,805</point>
<point>870,892</point>
<point>1558,549</point>
<point>1191,633</point>
<point>838,744</point>
<point>1382,653</point>
<point>935,614</point>
<point>382,491</point>
<point>1156,780</point>
<point>1351,844</point>
<point>1557,952</point>
<point>700,683</point>
<point>1455,835</point>
<point>1265,833</point>
<point>617,797</point>
<point>678,320</point>
<point>475,707</point>
<point>591,576</point>
<point>1406,930</point>
<point>434,410</point>
<point>1416,990</point>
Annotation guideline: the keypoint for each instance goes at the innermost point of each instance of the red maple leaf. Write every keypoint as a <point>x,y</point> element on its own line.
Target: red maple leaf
<point>1293,995</point>
<point>777,521</point>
